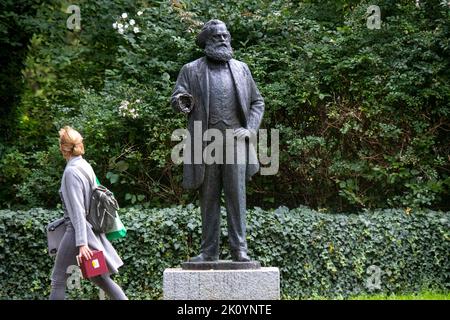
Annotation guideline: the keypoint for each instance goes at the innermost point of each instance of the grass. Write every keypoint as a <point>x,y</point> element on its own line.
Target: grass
<point>424,295</point>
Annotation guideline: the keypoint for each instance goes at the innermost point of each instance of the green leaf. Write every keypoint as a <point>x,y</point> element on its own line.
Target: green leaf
<point>122,166</point>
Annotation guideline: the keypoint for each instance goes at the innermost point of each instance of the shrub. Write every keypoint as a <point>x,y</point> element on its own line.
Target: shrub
<point>363,114</point>
<point>318,254</point>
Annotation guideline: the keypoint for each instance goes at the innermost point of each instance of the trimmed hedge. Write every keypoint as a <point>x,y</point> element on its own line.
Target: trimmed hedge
<point>318,254</point>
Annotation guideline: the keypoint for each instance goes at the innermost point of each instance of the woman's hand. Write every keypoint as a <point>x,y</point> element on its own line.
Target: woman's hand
<point>85,252</point>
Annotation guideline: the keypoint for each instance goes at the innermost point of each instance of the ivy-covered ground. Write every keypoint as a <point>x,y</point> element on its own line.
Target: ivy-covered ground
<point>419,296</point>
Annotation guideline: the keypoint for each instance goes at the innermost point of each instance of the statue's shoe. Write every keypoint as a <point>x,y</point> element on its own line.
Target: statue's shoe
<point>240,256</point>
<point>203,258</point>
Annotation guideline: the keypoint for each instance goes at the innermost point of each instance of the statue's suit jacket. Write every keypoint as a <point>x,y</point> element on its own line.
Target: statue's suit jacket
<point>194,79</point>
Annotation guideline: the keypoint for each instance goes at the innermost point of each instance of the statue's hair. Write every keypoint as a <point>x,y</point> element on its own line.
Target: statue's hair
<point>70,142</point>
<point>205,33</point>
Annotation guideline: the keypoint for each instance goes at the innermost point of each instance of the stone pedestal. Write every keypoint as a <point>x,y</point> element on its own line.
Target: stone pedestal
<point>220,265</point>
<point>248,284</point>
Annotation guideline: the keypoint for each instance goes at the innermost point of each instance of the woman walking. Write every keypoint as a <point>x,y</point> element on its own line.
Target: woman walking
<point>79,238</point>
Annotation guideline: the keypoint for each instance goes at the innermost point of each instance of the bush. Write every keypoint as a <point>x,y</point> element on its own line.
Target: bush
<point>318,254</point>
<point>363,114</point>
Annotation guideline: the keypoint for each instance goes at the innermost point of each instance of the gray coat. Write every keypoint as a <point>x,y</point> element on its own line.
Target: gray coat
<point>193,79</point>
<point>75,192</point>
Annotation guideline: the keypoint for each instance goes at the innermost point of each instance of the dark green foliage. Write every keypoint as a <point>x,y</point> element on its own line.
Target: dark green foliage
<point>318,254</point>
<point>15,34</point>
<point>362,114</point>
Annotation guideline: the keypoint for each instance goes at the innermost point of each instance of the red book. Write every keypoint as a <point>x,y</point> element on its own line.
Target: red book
<point>93,267</point>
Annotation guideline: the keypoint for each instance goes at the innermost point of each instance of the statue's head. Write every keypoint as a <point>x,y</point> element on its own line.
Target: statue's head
<point>215,39</point>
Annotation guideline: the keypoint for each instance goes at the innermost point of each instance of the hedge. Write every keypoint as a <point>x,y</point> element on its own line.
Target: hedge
<point>319,254</point>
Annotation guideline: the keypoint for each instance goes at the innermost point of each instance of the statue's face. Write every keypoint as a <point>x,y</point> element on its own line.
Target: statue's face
<point>218,46</point>
<point>220,35</point>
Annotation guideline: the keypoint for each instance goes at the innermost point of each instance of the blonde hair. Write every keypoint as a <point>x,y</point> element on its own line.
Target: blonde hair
<point>70,142</point>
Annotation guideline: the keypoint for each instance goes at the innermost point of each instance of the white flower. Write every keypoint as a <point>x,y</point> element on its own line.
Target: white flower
<point>126,110</point>
<point>120,31</point>
<point>120,26</point>
<point>126,26</point>
<point>124,15</point>
<point>139,13</point>
<point>132,22</point>
<point>115,25</point>
<point>136,29</point>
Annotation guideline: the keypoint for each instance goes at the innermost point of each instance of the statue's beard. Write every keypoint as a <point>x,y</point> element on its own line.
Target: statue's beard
<point>220,52</point>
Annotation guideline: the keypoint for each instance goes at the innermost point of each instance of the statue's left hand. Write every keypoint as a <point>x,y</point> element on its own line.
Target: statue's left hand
<point>185,102</point>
